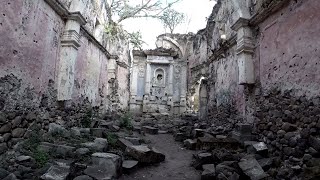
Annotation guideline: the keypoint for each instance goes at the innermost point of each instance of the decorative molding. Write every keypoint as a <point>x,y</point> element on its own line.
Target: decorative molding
<point>58,8</point>
<point>77,16</point>
<point>241,22</point>
<point>122,64</point>
<point>141,70</point>
<point>264,13</point>
<point>70,38</point>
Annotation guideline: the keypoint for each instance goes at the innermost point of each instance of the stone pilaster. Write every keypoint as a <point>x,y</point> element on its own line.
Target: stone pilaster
<point>70,42</point>
<point>146,97</point>
<point>183,90</point>
<point>245,51</point>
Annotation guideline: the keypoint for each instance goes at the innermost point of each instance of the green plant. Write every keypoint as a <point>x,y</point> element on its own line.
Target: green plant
<point>41,157</point>
<point>112,139</point>
<point>87,119</point>
<point>125,121</point>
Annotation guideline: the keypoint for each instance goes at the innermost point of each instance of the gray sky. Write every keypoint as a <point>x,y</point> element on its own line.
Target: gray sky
<point>196,12</point>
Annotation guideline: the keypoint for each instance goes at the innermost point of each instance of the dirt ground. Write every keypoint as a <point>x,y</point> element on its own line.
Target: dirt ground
<point>175,167</point>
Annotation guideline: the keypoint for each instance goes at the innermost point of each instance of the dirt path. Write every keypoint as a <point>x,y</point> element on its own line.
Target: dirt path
<point>175,167</point>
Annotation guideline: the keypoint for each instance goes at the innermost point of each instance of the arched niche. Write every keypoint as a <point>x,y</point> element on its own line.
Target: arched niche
<point>98,31</point>
<point>159,77</point>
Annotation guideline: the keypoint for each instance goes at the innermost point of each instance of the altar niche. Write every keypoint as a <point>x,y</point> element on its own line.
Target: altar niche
<point>158,82</point>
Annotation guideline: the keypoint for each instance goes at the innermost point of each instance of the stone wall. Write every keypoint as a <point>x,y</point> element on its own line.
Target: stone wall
<point>32,32</point>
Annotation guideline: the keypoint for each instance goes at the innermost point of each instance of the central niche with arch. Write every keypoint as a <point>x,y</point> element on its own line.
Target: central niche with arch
<point>159,78</point>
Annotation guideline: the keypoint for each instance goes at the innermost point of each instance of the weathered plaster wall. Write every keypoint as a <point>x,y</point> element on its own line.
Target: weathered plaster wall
<point>31,33</point>
<point>30,40</point>
<point>288,50</point>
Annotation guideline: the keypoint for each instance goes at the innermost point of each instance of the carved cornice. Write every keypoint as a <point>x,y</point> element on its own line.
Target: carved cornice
<point>245,44</point>
<point>265,12</point>
<point>241,22</point>
<point>122,64</point>
<point>77,16</point>
<point>58,8</point>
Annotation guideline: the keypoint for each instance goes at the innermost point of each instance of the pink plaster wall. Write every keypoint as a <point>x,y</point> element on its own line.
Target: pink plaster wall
<point>30,34</point>
<point>29,41</point>
<point>289,49</point>
<point>90,72</point>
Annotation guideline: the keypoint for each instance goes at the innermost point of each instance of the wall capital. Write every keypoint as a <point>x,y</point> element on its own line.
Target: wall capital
<point>77,16</point>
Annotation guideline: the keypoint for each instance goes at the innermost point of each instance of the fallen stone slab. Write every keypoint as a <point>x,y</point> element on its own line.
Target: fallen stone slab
<point>150,130</point>
<point>144,154</point>
<point>129,165</point>
<point>123,143</point>
<point>104,166</point>
<point>56,172</point>
<point>98,145</point>
<point>210,142</point>
<point>133,140</point>
<point>190,144</point>
<point>201,159</point>
<point>258,148</point>
<point>180,137</point>
<point>250,166</point>
<point>209,172</point>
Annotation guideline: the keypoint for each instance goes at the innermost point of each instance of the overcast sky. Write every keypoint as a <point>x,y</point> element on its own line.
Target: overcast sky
<point>196,12</point>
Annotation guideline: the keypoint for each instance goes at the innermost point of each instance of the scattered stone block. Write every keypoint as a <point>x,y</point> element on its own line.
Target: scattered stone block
<point>83,177</point>
<point>250,166</point>
<point>99,145</point>
<point>97,132</point>
<point>56,129</point>
<point>242,132</point>
<point>129,165</point>
<point>197,133</point>
<point>82,151</point>
<point>180,137</point>
<point>259,148</point>
<point>201,159</point>
<point>23,158</point>
<point>123,143</point>
<point>133,140</point>
<point>210,142</point>
<point>150,130</point>
<point>144,154</point>
<point>56,172</point>
<point>209,172</point>
<point>104,166</point>
<point>265,163</point>
<point>190,144</point>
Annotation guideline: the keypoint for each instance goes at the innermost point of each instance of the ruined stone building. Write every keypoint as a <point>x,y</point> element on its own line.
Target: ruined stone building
<point>255,64</point>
